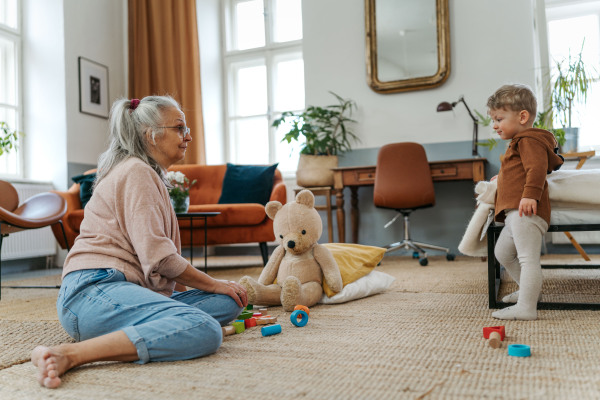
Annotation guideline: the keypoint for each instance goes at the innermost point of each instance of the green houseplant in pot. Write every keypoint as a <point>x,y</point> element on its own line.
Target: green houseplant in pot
<point>571,85</point>
<point>8,138</point>
<point>326,134</point>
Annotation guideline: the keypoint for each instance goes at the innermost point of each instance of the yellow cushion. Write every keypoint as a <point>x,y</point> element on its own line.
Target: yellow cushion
<point>354,260</point>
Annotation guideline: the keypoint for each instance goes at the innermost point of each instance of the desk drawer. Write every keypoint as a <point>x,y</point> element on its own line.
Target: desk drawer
<point>440,171</point>
<point>365,176</point>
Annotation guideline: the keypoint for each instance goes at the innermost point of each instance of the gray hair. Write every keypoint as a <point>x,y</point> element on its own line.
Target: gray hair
<point>128,132</point>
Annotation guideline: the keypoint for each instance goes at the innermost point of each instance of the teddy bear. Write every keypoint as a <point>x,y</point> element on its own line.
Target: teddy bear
<point>295,271</point>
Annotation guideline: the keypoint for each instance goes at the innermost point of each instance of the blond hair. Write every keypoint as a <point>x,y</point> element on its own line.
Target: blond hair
<point>515,97</point>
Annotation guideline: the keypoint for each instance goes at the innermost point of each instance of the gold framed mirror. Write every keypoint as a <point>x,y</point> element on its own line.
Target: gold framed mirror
<point>408,44</point>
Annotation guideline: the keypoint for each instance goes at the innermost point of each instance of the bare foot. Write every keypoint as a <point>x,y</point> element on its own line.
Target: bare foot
<point>51,364</point>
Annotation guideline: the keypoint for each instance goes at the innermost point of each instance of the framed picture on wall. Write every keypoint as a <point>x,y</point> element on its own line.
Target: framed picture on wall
<point>93,88</point>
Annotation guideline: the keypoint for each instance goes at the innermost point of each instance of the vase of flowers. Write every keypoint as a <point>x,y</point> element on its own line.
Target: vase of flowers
<point>179,191</point>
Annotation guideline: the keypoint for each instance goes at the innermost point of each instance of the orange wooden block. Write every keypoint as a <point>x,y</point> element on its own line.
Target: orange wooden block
<point>303,308</point>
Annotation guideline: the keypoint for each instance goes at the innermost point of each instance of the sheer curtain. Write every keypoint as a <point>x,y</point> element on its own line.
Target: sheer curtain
<point>164,59</point>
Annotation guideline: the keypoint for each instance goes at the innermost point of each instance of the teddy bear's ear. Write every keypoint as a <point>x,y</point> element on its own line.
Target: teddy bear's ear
<point>306,197</point>
<point>272,208</point>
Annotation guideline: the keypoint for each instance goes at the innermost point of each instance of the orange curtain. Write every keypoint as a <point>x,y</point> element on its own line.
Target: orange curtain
<point>164,58</point>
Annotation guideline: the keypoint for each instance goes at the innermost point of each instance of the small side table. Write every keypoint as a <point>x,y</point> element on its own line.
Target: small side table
<point>198,215</point>
<point>326,191</point>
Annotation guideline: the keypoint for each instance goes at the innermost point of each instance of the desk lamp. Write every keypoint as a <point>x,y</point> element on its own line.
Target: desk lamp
<point>445,106</point>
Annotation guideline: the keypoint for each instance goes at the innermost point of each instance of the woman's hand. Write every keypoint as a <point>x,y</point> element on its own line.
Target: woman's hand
<point>232,289</point>
<point>199,280</point>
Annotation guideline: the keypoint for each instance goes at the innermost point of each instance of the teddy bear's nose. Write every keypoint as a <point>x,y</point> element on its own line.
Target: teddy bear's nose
<point>291,244</point>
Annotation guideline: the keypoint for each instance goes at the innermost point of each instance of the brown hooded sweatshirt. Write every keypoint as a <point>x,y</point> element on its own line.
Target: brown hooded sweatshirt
<point>529,158</point>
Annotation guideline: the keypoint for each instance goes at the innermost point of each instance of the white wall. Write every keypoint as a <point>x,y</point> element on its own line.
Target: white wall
<point>490,45</point>
<point>44,100</point>
<point>211,74</point>
<point>55,34</point>
<point>95,30</point>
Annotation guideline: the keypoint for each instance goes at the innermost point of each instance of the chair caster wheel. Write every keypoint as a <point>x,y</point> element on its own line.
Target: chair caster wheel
<point>450,257</point>
<point>423,262</point>
<point>415,254</point>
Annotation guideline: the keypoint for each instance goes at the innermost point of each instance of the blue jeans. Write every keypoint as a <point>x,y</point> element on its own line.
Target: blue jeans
<point>187,325</point>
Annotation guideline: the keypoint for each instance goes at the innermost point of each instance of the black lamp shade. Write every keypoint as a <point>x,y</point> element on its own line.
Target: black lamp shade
<point>444,106</point>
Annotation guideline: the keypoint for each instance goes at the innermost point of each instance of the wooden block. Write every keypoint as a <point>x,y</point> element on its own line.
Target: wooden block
<point>266,320</point>
<point>263,311</point>
<point>489,329</point>
<point>270,330</point>
<point>495,340</point>
<point>250,322</point>
<point>303,308</point>
<point>228,330</point>
<point>245,315</point>
<point>239,326</point>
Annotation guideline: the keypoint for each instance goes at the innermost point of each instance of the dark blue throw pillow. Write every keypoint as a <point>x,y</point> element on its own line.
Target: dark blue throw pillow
<point>247,184</point>
<point>85,186</point>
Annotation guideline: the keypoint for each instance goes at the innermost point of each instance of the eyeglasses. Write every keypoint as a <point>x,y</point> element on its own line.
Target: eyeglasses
<point>183,130</point>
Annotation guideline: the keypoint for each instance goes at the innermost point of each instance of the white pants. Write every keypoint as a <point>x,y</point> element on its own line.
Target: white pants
<point>518,250</point>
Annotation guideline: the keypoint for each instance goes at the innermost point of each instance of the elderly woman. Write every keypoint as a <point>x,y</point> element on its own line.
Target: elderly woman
<point>118,297</point>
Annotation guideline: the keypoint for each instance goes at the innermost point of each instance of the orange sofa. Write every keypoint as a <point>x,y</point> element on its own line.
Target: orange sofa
<point>237,223</point>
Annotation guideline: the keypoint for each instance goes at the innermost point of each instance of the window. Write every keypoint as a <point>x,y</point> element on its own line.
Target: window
<point>571,26</point>
<point>264,77</point>
<point>10,99</point>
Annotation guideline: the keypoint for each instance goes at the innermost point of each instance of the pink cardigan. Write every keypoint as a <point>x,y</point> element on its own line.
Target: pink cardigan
<point>130,226</point>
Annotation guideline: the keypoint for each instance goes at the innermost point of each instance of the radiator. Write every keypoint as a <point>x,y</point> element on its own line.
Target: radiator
<point>33,242</point>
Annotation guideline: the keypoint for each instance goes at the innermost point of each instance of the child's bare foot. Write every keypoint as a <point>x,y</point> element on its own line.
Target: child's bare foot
<point>51,364</point>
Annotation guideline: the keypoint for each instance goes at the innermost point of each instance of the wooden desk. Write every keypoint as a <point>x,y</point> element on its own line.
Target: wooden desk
<point>355,177</point>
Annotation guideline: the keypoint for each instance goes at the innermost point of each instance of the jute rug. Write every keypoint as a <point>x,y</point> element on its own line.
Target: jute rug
<point>422,338</point>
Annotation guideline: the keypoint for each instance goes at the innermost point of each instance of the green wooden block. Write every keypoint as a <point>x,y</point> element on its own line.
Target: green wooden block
<point>249,307</point>
<point>245,315</point>
<point>239,326</point>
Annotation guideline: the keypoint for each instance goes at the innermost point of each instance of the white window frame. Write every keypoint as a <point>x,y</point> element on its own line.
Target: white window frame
<point>15,35</point>
<point>577,9</point>
<point>268,54</point>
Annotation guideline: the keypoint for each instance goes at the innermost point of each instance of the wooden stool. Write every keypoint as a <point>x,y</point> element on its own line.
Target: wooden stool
<point>326,191</point>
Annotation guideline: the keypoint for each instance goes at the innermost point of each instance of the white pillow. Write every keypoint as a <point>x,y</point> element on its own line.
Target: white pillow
<point>372,283</point>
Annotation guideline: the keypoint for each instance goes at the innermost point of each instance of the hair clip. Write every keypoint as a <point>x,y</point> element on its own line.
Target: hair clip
<point>134,104</point>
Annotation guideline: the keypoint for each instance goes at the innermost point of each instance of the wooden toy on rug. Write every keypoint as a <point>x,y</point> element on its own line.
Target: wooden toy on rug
<point>270,330</point>
<point>266,320</point>
<point>239,326</point>
<point>250,322</point>
<point>519,350</point>
<point>489,329</point>
<point>299,318</point>
<point>304,308</point>
<point>228,330</point>
<point>263,311</point>
<point>495,340</point>
<point>295,271</point>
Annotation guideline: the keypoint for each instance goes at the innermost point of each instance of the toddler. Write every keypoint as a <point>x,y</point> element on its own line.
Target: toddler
<point>522,200</point>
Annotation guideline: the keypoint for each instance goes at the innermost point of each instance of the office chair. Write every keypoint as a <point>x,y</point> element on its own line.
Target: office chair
<point>38,211</point>
<point>403,182</point>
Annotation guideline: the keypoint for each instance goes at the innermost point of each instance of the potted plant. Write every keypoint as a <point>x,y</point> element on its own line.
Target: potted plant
<point>8,138</point>
<point>325,134</point>
<point>572,83</point>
